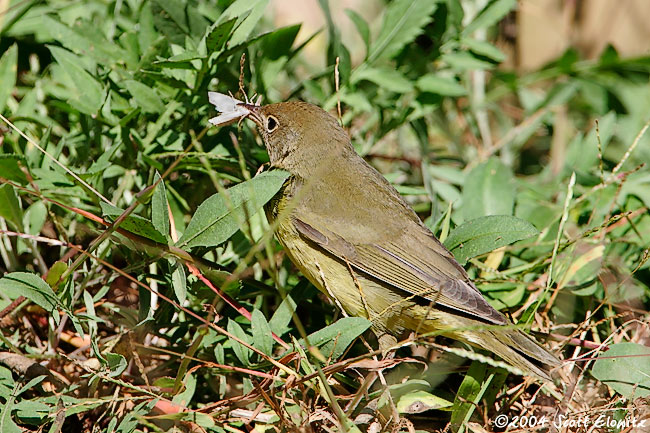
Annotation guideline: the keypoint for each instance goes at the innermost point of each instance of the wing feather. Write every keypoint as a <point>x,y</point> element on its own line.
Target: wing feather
<point>417,276</point>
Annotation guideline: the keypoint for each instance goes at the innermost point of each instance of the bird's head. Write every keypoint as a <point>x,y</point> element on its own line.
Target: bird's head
<point>298,136</point>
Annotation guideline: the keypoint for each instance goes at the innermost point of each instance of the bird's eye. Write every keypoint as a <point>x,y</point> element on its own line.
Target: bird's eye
<point>271,124</point>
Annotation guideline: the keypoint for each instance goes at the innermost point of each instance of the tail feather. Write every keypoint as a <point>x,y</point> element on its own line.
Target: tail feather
<point>518,349</point>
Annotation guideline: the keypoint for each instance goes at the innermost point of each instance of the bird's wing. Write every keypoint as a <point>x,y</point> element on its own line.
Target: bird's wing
<point>414,262</point>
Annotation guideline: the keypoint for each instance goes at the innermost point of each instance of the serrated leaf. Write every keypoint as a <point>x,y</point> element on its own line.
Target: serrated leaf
<point>403,21</point>
<point>133,223</point>
<point>484,234</point>
<point>87,95</point>
<point>335,338</point>
<point>624,368</point>
<point>261,330</point>
<point>145,97</point>
<point>488,190</point>
<point>217,219</point>
<point>8,69</point>
<point>490,15</point>
<point>445,86</point>
<point>389,79</point>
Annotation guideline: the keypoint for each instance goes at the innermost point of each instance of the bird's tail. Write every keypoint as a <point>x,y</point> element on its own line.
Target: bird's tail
<point>516,348</point>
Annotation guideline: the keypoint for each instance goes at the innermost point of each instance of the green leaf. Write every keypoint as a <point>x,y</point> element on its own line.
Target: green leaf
<point>624,368</point>
<point>280,320</point>
<point>55,273</point>
<point>420,401</point>
<point>504,295</point>
<point>35,217</point>
<point>218,34</point>
<point>278,43</point>
<point>32,287</point>
<point>261,330</point>
<point>217,218</point>
<point>444,86</point>
<point>147,34</point>
<point>242,352</point>
<point>7,425</point>
<point>182,60</point>
<point>335,338</point>
<point>145,97</point>
<point>84,42</point>
<point>389,79</point>
<point>32,411</point>
<point>133,223</point>
<point>10,167</point>
<point>484,48</point>
<point>455,14</point>
<point>10,208</point>
<point>248,12</point>
<point>488,190</point>
<point>133,417</point>
<point>467,392</point>
<point>362,27</point>
<point>8,68</point>
<point>179,282</point>
<point>464,60</point>
<point>484,234</point>
<point>169,19</point>
<point>116,364</point>
<point>177,11</point>
<point>160,208</point>
<point>490,15</point>
<point>403,21</point>
<point>336,48</point>
<point>87,94</point>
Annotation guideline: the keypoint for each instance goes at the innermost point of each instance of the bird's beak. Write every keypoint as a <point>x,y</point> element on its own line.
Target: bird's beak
<point>254,114</point>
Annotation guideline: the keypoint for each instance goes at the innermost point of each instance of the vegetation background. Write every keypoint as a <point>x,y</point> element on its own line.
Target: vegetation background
<point>123,212</point>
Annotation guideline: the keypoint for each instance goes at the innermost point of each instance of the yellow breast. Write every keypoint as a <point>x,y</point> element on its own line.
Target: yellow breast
<point>354,293</point>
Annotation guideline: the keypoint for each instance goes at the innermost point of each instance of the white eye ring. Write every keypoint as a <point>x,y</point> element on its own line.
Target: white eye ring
<point>272,123</point>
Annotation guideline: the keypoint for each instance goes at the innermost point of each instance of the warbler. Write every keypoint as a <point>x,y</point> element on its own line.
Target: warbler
<point>348,230</point>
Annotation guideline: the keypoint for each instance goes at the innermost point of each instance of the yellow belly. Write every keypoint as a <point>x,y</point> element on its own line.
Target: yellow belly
<point>388,309</point>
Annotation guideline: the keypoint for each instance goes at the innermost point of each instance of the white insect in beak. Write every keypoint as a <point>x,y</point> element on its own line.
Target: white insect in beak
<point>231,109</point>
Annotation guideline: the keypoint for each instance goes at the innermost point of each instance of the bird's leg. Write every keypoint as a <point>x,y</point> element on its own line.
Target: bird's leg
<point>358,285</point>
